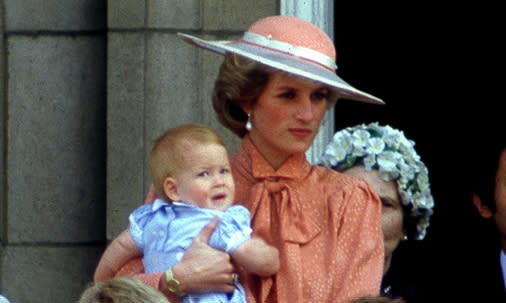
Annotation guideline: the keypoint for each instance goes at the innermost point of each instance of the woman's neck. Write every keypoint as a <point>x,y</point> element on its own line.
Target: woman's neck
<point>274,157</point>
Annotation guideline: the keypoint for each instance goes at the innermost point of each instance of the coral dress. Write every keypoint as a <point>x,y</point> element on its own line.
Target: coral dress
<point>326,226</point>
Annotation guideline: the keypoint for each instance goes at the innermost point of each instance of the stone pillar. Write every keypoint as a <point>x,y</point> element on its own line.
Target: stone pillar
<point>53,135</point>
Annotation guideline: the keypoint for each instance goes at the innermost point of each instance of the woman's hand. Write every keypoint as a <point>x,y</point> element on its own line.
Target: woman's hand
<point>202,268</point>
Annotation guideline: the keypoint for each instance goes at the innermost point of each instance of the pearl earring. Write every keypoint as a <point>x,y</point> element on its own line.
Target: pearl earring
<point>248,123</point>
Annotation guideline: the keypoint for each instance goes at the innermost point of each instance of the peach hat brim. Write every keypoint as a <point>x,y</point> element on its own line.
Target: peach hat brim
<point>320,69</point>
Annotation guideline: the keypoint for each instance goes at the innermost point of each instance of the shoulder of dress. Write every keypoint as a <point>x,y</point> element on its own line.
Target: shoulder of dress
<point>338,183</point>
<point>331,176</point>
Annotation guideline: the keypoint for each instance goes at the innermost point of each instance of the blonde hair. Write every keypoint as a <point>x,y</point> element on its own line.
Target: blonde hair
<point>240,82</point>
<point>121,290</point>
<point>169,150</point>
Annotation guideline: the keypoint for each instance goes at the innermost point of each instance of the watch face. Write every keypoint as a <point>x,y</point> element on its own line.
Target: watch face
<point>173,285</point>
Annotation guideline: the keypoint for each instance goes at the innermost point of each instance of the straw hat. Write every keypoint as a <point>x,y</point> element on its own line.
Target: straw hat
<point>292,45</point>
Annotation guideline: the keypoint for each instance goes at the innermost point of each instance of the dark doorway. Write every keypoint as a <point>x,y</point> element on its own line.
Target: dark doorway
<point>439,71</point>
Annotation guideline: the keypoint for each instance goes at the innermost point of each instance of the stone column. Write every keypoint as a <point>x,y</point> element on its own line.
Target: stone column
<point>52,167</point>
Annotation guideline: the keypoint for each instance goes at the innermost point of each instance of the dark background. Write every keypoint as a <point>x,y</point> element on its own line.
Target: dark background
<point>439,71</point>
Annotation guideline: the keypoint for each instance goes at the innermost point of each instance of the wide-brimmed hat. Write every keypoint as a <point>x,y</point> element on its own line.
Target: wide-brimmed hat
<point>292,45</point>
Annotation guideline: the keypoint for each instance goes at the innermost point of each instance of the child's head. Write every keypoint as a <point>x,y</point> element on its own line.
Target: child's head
<point>190,163</point>
<point>121,290</point>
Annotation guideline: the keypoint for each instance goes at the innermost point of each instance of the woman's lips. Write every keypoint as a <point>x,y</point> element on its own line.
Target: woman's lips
<point>300,132</point>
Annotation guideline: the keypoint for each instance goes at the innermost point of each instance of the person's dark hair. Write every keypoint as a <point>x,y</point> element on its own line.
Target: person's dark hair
<point>486,153</point>
<point>239,82</point>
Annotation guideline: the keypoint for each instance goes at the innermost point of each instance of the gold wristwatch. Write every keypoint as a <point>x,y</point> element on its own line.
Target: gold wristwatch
<point>173,285</point>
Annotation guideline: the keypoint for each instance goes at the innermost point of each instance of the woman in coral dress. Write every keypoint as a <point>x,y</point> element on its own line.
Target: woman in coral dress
<point>273,89</point>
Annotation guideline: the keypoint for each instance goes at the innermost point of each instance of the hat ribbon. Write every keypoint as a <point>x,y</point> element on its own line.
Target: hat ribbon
<point>283,47</point>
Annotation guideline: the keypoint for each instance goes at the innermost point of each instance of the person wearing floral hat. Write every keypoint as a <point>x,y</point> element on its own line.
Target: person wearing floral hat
<point>385,158</point>
<point>273,88</point>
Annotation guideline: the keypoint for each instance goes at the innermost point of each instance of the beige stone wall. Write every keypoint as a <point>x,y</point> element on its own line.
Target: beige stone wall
<point>53,143</point>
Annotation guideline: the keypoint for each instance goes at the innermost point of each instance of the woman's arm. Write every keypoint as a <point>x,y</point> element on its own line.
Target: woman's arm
<point>121,250</point>
<point>257,257</point>
<point>201,269</point>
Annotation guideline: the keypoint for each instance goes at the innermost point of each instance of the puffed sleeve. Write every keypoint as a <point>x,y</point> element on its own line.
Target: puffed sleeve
<point>234,229</point>
<point>139,218</point>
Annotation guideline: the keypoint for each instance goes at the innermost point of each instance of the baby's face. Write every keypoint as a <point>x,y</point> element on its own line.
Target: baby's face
<point>206,181</point>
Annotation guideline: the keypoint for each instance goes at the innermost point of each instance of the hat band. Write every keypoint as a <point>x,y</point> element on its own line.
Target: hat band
<point>297,51</point>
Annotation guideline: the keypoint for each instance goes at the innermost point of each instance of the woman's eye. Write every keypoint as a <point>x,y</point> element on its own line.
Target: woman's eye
<point>386,203</point>
<point>319,96</point>
<point>287,95</point>
<point>224,171</point>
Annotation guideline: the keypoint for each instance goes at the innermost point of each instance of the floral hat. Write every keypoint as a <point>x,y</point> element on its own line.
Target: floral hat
<point>394,156</point>
<point>292,45</point>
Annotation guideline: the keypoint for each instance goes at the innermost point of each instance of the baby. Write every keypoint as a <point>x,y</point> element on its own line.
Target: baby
<point>191,173</point>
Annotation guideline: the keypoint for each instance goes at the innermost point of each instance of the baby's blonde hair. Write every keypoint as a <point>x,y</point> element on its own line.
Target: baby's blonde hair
<point>169,150</point>
<point>121,290</point>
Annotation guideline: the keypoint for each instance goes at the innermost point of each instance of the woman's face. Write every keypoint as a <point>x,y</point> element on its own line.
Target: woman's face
<point>391,209</point>
<point>286,117</point>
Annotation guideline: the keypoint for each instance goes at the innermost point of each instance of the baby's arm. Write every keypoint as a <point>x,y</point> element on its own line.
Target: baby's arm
<point>257,257</point>
<point>121,250</point>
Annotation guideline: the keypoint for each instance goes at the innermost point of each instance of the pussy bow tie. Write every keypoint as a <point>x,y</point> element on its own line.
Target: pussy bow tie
<point>277,209</point>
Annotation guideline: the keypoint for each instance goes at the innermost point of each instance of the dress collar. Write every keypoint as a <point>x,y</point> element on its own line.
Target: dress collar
<point>295,167</point>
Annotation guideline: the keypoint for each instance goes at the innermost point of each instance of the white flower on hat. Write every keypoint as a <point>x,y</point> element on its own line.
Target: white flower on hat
<point>360,138</point>
<point>335,154</point>
<point>393,155</point>
<point>375,146</point>
<point>407,172</point>
<point>369,162</point>
<point>388,160</point>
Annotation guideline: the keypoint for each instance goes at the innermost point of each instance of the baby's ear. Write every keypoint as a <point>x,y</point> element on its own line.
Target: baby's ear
<point>484,210</point>
<point>170,189</point>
